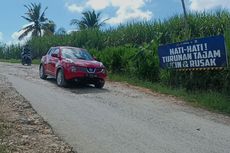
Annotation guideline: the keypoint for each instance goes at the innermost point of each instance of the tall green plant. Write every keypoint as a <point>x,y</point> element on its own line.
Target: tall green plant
<point>119,48</point>
<point>38,23</point>
<point>90,19</point>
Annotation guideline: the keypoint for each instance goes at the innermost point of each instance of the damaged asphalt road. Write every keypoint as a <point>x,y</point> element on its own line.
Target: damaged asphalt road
<point>120,118</point>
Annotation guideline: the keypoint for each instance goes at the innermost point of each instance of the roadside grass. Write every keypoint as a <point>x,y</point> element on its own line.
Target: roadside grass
<point>34,61</point>
<point>10,60</point>
<point>208,100</point>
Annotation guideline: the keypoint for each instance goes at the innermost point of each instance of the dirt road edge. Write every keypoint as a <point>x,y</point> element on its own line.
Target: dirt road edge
<point>23,129</point>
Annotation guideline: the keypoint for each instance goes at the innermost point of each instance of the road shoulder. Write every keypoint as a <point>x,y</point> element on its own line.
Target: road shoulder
<point>23,129</point>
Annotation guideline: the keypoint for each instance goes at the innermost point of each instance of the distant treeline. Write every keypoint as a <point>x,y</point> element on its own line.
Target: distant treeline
<point>132,48</point>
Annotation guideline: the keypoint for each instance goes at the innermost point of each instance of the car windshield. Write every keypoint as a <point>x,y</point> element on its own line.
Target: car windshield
<point>76,53</point>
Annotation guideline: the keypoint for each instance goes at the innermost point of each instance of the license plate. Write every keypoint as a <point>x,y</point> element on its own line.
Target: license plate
<point>92,75</point>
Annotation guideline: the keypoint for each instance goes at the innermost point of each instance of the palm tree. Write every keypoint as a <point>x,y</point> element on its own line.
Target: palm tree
<point>49,28</point>
<point>90,19</point>
<point>61,31</point>
<point>38,23</point>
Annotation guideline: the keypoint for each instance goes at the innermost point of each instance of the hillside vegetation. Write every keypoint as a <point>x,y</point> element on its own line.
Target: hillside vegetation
<point>131,49</point>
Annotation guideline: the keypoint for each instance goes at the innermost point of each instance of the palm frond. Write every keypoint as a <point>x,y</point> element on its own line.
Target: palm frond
<point>42,17</point>
<point>40,22</point>
<point>26,30</point>
<point>74,22</point>
<point>26,18</point>
<point>90,19</point>
<point>49,28</point>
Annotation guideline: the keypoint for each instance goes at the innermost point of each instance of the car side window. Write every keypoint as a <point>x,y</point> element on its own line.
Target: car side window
<point>56,51</point>
<point>50,51</point>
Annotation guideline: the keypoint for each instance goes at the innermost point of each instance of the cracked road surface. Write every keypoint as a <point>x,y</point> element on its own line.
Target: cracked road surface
<point>120,118</point>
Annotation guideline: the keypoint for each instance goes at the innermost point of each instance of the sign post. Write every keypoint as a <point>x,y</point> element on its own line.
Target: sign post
<point>196,54</point>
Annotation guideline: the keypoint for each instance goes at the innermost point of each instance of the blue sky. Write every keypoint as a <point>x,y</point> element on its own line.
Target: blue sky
<point>119,11</point>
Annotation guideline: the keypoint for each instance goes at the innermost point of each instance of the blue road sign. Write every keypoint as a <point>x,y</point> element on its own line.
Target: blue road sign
<point>209,52</point>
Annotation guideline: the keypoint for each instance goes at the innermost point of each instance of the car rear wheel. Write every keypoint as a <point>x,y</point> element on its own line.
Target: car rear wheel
<point>100,83</point>
<point>61,78</point>
<point>42,72</point>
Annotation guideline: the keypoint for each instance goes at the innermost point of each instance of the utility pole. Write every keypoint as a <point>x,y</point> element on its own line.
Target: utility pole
<point>185,19</point>
<point>188,37</point>
<point>184,8</point>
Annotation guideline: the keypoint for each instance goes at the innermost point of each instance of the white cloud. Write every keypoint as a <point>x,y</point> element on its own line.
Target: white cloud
<point>133,4</point>
<point>16,35</point>
<point>129,15</point>
<point>201,5</point>
<point>94,4</point>
<point>15,39</point>
<point>127,10</point>
<point>1,36</point>
<point>71,31</point>
<point>74,7</point>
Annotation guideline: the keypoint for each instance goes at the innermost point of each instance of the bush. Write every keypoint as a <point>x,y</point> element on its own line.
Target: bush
<point>132,48</point>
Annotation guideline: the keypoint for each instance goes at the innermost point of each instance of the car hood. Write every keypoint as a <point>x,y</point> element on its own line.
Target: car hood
<point>85,63</point>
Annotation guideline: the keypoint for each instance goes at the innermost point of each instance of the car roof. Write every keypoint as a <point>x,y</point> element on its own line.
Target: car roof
<point>67,47</point>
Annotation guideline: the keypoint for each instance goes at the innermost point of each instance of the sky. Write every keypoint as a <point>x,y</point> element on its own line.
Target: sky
<point>118,12</point>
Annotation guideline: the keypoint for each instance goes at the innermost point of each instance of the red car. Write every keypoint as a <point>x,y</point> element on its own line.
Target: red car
<point>72,64</point>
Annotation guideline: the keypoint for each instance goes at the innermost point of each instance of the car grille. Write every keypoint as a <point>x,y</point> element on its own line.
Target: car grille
<point>91,70</point>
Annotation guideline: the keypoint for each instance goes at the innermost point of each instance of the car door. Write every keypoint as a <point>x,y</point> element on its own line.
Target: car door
<point>53,61</point>
<point>48,61</point>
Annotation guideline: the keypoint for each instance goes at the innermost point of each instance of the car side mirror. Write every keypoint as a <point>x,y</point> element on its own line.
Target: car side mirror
<point>54,55</point>
<point>95,58</point>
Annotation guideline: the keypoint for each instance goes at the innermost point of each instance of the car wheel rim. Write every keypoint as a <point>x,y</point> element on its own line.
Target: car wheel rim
<point>59,78</point>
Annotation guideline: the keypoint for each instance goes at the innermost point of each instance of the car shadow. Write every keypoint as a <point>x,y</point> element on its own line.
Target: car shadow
<point>80,88</point>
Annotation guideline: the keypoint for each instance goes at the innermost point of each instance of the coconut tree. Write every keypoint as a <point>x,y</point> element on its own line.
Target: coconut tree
<point>38,23</point>
<point>90,19</point>
<point>61,31</point>
<point>49,28</point>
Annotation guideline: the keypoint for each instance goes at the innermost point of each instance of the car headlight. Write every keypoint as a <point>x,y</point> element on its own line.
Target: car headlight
<point>101,64</point>
<point>73,69</point>
<point>103,71</point>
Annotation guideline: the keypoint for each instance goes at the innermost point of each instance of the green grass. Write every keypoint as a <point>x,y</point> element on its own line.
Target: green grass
<point>209,100</point>
<point>35,61</point>
<point>10,60</point>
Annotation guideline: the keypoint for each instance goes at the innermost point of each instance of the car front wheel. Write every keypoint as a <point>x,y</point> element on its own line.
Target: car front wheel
<point>100,83</point>
<point>42,72</point>
<point>61,78</point>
